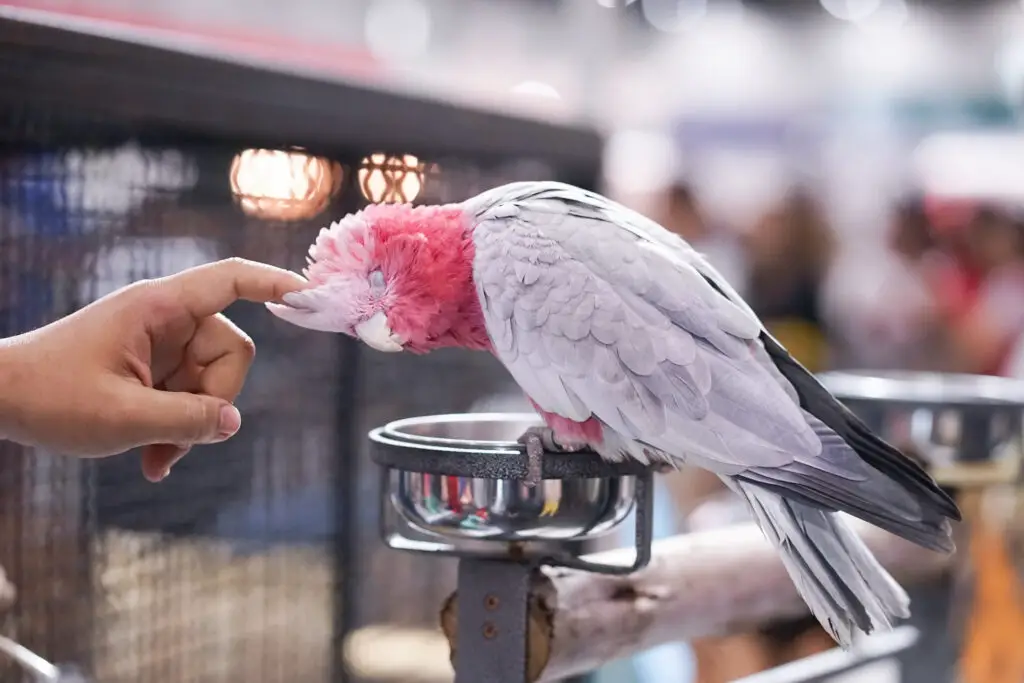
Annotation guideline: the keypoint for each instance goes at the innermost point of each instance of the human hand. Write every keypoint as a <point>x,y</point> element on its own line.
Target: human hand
<point>154,364</point>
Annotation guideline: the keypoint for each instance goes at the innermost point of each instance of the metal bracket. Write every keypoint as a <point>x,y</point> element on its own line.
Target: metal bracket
<point>492,636</point>
<point>494,605</point>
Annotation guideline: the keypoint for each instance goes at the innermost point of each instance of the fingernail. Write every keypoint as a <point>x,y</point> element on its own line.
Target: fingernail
<point>230,421</point>
<point>159,476</point>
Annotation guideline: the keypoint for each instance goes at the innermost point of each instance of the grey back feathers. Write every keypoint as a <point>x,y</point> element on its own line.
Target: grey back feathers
<point>599,312</point>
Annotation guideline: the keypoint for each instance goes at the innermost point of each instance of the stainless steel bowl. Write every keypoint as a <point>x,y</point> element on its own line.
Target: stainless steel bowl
<point>967,427</point>
<point>495,507</point>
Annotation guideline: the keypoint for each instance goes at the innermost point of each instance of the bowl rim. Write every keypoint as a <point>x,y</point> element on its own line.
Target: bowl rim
<point>483,459</point>
<point>393,430</point>
<point>933,389</point>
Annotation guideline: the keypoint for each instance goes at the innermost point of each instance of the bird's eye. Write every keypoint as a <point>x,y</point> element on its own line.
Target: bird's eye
<point>377,280</point>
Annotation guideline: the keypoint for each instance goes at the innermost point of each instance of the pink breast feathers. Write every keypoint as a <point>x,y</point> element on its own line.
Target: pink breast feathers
<point>572,433</point>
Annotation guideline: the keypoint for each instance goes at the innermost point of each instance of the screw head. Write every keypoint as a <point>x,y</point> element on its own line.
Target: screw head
<point>490,631</point>
<point>491,602</point>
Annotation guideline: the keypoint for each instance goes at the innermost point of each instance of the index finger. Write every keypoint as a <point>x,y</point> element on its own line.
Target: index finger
<point>208,289</point>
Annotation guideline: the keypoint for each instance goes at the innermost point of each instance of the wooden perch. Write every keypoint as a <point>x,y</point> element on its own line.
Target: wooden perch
<point>697,585</point>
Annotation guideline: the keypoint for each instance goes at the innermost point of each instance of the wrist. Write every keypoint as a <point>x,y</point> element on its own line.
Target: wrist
<point>13,387</point>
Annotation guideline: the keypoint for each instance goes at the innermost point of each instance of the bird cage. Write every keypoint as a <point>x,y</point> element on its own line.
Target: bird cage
<point>257,559</point>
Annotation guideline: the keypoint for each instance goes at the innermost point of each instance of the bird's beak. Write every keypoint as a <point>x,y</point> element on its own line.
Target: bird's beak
<point>377,334</point>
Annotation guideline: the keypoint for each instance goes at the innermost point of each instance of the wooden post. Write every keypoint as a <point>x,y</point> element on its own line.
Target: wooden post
<point>697,585</point>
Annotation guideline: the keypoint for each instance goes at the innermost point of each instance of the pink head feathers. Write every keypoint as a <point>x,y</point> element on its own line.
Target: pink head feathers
<point>396,276</point>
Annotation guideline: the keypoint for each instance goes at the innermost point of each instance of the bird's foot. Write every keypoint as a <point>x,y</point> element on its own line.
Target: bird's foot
<point>538,440</point>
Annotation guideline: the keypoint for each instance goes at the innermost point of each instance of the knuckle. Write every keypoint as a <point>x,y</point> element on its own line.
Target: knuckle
<point>197,418</point>
<point>233,264</point>
<point>161,303</point>
<point>234,270</point>
<point>138,292</point>
<point>118,418</point>
<point>237,340</point>
<point>246,347</point>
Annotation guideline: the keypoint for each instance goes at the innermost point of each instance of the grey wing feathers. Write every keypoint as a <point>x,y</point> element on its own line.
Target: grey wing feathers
<point>881,456</point>
<point>912,503</point>
<point>598,311</point>
<point>589,320</point>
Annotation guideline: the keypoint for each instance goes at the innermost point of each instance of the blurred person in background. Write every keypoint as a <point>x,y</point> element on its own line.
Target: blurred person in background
<point>955,276</point>
<point>986,329</point>
<point>722,248</point>
<point>790,251</point>
<point>885,308</point>
<point>1015,360</point>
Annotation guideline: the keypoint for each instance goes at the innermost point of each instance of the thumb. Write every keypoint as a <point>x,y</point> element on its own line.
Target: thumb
<point>182,418</point>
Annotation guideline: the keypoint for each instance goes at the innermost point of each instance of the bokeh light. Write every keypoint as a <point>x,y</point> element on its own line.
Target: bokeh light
<point>283,185</point>
<point>387,179</point>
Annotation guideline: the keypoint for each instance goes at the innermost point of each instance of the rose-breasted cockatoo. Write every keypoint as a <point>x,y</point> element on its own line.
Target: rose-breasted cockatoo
<point>627,341</point>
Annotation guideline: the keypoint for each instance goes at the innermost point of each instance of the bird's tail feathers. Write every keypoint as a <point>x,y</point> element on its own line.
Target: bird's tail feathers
<point>846,588</point>
<point>838,479</point>
<point>881,500</point>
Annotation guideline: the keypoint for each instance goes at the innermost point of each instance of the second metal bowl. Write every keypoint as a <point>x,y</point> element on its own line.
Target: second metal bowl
<point>968,428</point>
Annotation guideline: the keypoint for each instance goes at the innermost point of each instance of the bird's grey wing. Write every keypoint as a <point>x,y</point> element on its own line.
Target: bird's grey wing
<point>593,320</point>
<point>591,205</point>
<point>596,319</point>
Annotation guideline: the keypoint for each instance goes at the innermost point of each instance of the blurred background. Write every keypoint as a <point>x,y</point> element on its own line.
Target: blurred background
<point>854,167</point>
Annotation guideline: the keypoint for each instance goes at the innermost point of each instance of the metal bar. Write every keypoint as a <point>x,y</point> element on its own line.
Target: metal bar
<point>53,61</point>
<point>40,669</point>
<point>642,535</point>
<point>494,600</point>
<point>936,653</point>
<point>88,530</point>
<point>822,667</point>
<point>492,460</point>
<point>346,501</point>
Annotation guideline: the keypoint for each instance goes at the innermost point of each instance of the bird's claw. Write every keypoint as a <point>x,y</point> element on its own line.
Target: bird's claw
<point>538,440</point>
<point>545,436</point>
<point>534,453</point>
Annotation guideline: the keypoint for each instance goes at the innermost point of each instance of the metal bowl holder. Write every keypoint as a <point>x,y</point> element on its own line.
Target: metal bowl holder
<point>494,576</point>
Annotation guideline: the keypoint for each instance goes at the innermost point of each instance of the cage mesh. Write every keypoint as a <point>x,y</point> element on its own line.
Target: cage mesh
<point>232,568</point>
